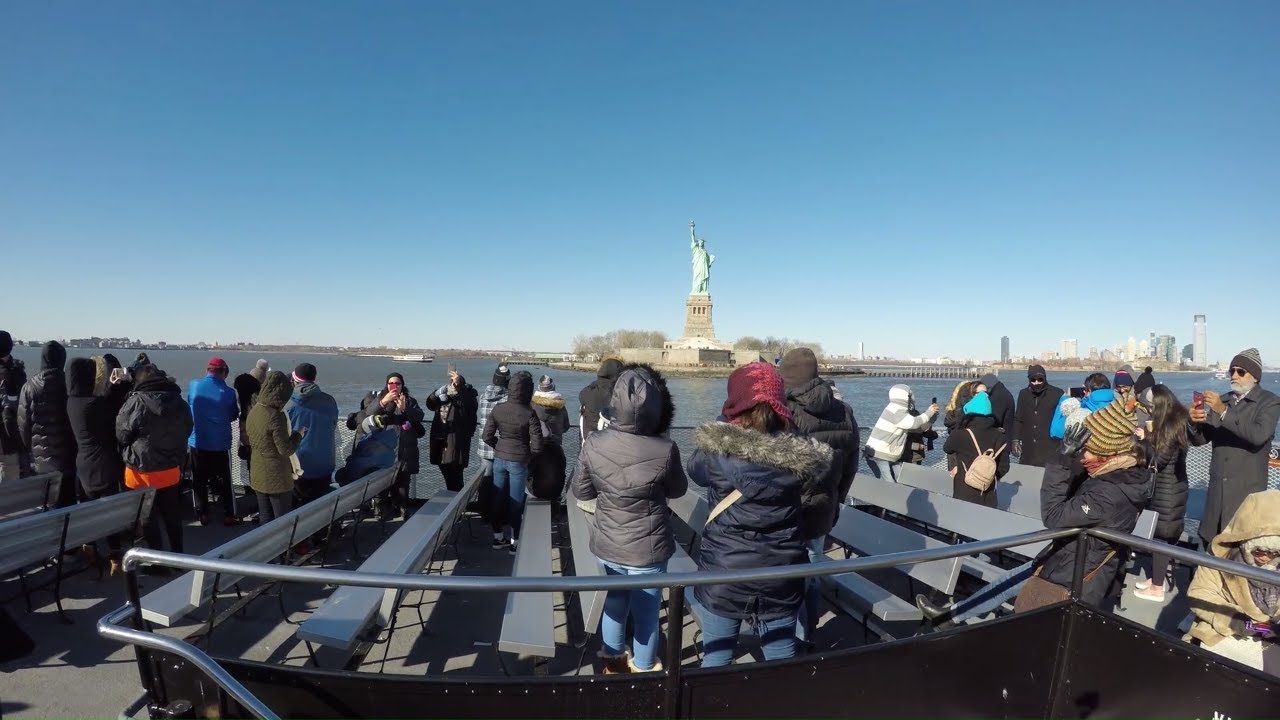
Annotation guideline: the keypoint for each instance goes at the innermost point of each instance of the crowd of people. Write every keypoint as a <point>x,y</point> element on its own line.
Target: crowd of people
<point>775,469</point>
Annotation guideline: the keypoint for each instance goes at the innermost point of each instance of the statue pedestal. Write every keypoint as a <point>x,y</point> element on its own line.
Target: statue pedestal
<point>699,333</point>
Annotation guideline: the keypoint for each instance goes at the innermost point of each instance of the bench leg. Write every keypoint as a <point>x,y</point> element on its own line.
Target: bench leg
<point>57,593</point>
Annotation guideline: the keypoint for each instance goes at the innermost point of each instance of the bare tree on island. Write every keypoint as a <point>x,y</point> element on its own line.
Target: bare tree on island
<point>775,345</point>
<point>615,340</point>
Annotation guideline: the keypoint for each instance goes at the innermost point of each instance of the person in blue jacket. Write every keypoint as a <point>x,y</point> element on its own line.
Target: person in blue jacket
<point>316,411</point>
<point>213,409</point>
<point>1097,395</point>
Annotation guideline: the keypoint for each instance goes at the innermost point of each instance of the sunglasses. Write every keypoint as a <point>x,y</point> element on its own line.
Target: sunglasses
<point>393,383</point>
<point>1267,554</point>
<point>1238,372</point>
<point>1037,381</point>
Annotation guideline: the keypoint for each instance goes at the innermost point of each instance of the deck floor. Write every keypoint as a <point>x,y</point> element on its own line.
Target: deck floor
<point>75,673</point>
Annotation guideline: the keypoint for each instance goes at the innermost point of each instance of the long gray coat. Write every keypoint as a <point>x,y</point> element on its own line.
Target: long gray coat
<point>631,472</point>
<point>1241,442</point>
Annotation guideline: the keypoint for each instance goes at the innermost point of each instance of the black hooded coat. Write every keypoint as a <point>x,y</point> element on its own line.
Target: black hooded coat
<point>99,465</point>
<point>43,424</point>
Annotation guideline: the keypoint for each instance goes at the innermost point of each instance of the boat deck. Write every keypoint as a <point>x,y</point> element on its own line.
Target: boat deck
<point>74,656</point>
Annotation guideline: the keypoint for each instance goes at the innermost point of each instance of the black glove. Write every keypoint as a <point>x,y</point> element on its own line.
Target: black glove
<point>1073,440</point>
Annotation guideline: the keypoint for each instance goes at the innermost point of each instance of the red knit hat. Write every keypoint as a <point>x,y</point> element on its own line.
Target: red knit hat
<point>216,363</point>
<point>752,384</point>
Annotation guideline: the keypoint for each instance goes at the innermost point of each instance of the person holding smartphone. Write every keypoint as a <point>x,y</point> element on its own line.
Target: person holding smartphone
<point>455,405</point>
<point>1240,426</point>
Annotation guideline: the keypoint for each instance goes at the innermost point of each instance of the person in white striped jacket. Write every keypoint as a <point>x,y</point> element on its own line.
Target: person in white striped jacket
<point>888,439</point>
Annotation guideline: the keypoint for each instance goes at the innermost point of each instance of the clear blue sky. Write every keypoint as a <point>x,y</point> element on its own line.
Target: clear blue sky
<point>923,177</point>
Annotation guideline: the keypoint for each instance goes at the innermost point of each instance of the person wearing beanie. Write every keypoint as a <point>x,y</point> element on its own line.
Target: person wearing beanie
<point>260,370</point>
<point>547,469</point>
<point>754,472</point>
<point>816,412</point>
<point>515,434</point>
<point>630,471</point>
<point>13,375</point>
<point>494,394</point>
<point>1113,493</point>
<point>888,439</point>
<point>976,435</point>
<point>315,412</point>
<point>1224,606</point>
<point>213,408</point>
<point>1122,382</point>
<point>1241,426</point>
<point>595,396</point>
<point>43,425</point>
<point>1037,403</point>
<point>152,429</point>
<point>455,405</point>
<point>388,426</point>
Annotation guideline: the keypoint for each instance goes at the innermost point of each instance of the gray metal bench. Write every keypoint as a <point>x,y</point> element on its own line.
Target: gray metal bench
<point>33,539</point>
<point>1018,491</point>
<point>27,495</point>
<point>866,534</point>
<point>343,620</point>
<point>527,627</point>
<point>585,564</point>
<point>173,601</point>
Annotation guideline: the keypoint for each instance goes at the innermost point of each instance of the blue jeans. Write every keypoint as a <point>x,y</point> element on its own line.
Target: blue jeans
<point>992,595</point>
<point>883,469</point>
<point>509,479</point>
<point>720,634</point>
<point>642,606</point>
<point>811,610</point>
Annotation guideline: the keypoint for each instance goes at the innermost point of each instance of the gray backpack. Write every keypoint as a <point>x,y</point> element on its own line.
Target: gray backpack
<point>981,475</point>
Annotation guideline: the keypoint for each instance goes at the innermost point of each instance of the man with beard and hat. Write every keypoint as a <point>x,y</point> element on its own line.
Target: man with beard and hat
<point>1037,403</point>
<point>1241,426</point>
<point>13,375</point>
<point>387,427</point>
<point>43,423</point>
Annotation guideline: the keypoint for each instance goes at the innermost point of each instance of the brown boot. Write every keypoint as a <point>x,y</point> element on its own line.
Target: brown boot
<point>616,664</point>
<point>116,567</point>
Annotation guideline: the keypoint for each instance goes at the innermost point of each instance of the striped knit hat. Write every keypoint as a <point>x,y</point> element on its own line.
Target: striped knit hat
<point>1111,429</point>
<point>1250,360</point>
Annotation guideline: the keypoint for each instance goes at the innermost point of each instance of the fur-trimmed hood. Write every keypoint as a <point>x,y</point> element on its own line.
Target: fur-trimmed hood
<point>548,399</point>
<point>804,457</point>
<point>640,402</point>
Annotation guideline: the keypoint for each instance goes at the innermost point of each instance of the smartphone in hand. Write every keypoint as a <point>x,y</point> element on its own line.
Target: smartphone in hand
<point>1077,392</point>
<point>1197,400</point>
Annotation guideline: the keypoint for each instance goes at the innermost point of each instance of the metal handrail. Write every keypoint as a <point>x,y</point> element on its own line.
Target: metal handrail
<point>109,626</point>
<point>573,583</point>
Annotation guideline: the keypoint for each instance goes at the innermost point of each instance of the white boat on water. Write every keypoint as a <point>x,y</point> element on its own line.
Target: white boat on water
<point>413,358</point>
<point>1220,375</point>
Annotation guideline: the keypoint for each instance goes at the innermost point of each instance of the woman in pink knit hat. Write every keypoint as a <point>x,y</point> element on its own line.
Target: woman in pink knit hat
<point>753,470</point>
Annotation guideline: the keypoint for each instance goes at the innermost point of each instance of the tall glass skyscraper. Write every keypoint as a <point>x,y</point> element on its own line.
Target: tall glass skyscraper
<point>1200,339</point>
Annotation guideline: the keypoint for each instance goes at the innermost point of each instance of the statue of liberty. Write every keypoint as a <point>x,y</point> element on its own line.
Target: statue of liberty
<point>702,261</point>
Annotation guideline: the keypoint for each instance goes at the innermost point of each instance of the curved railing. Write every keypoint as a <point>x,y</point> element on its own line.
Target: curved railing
<point>112,625</point>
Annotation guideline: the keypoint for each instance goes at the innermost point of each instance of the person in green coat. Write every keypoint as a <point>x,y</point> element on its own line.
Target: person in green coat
<point>273,446</point>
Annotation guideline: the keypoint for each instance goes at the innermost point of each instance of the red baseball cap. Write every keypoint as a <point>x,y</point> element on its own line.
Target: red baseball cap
<point>216,363</point>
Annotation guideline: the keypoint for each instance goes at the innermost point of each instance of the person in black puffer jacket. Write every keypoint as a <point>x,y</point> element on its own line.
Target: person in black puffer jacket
<point>394,415</point>
<point>595,396</point>
<point>1116,491</point>
<point>515,434</point>
<point>547,469</point>
<point>754,473</point>
<point>816,413</point>
<point>630,470</point>
<point>976,434</point>
<point>1168,440</point>
<point>43,424</point>
<point>13,375</point>
<point>99,466</point>
<point>455,405</point>
<point>153,427</point>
